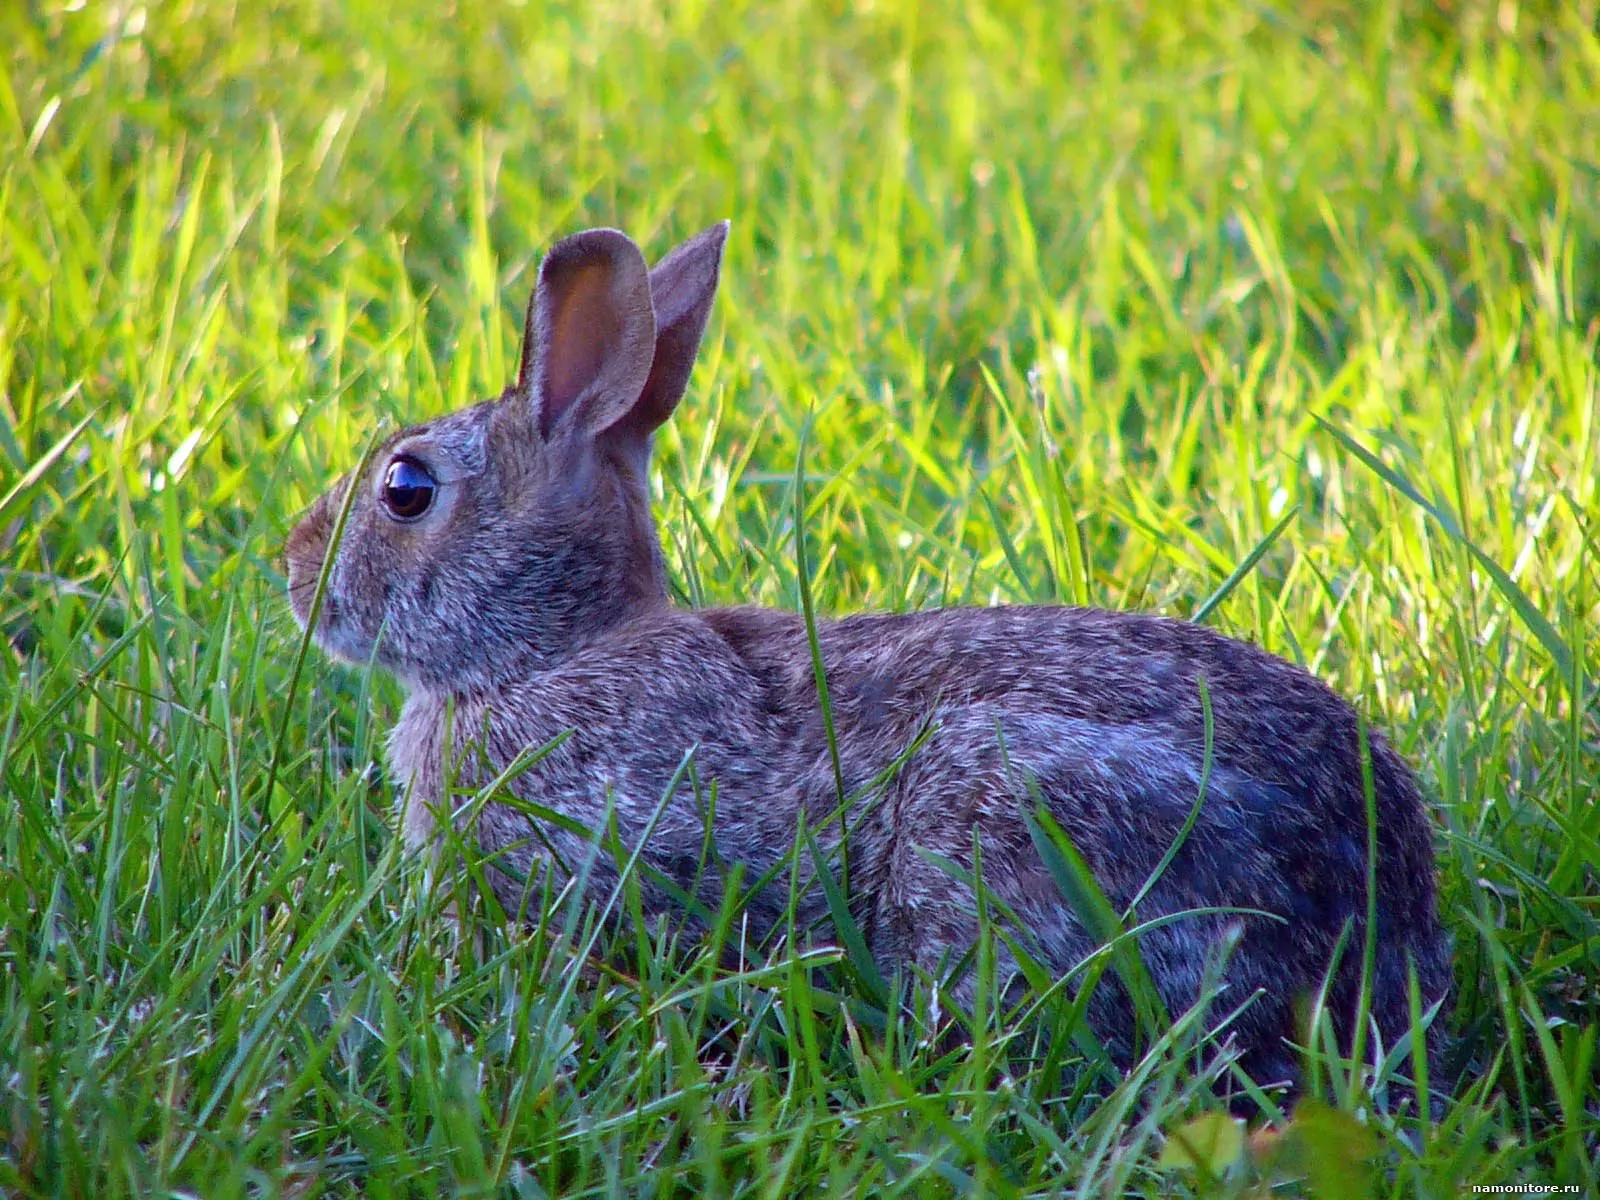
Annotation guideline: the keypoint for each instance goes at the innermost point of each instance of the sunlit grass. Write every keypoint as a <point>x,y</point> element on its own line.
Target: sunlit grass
<point>1283,318</point>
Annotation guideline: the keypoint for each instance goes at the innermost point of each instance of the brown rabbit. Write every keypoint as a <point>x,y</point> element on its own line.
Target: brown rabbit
<point>503,562</point>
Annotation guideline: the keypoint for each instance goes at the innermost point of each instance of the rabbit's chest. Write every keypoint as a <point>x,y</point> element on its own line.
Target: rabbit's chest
<point>415,767</point>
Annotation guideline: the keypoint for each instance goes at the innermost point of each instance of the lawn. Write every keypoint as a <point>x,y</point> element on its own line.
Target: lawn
<point>1283,318</point>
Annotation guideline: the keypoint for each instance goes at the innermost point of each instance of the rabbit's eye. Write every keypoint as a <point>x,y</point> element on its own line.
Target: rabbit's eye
<point>407,489</point>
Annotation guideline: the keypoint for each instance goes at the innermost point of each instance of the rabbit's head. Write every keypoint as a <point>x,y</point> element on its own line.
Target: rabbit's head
<point>495,539</point>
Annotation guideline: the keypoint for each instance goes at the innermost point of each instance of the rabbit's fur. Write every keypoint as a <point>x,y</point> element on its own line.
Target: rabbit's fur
<point>530,600</point>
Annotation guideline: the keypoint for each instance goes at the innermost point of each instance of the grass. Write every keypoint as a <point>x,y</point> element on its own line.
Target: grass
<point>1283,317</point>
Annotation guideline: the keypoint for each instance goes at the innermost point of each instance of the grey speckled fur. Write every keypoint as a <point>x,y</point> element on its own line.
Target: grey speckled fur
<point>531,600</point>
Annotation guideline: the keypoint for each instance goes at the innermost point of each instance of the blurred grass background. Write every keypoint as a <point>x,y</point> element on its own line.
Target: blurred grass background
<point>1281,317</point>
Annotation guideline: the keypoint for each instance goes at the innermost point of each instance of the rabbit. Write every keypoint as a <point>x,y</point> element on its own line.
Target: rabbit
<point>503,563</point>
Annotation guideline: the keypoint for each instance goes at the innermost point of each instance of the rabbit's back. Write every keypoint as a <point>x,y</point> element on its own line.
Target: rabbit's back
<point>1104,716</point>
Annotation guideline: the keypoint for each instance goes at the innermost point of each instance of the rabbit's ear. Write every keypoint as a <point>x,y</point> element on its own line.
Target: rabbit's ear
<point>682,286</point>
<point>590,335</point>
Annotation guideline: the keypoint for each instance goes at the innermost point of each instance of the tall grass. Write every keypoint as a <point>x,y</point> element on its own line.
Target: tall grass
<point>1284,318</point>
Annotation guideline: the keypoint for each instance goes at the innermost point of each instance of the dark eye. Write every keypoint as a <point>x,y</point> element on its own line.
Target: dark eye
<point>407,489</point>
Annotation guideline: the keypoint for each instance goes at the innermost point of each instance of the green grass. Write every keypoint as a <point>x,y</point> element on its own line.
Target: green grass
<point>1284,317</point>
